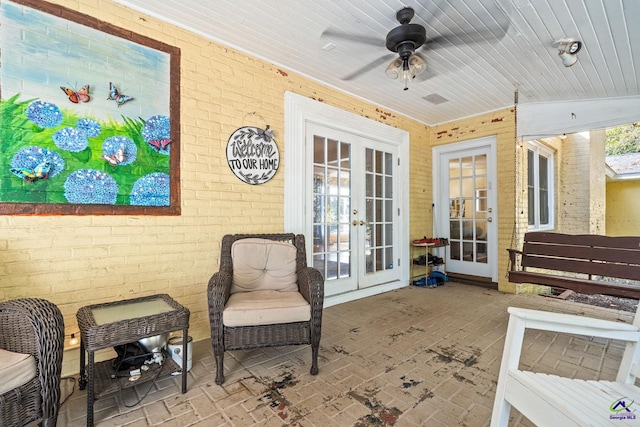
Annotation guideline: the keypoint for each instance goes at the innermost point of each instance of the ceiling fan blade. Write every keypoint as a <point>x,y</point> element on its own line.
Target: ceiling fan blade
<point>477,26</point>
<point>426,75</point>
<point>465,38</point>
<point>370,66</point>
<point>369,40</point>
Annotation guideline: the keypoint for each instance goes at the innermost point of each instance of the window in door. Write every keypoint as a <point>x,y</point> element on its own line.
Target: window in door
<point>331,207</point>
<point>379,210</point>
<point>469,213</point>
<point>540,186</point>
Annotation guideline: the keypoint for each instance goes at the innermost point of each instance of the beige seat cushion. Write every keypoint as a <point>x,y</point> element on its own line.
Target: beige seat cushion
<point>263,264</point>
<point>265,308</point>
<point>16,369</point>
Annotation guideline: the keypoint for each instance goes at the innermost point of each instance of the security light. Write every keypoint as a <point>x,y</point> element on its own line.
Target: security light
<point>567,50</point>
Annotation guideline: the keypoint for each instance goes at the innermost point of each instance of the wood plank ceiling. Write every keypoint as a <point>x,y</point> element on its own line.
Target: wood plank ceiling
<point>470,78</point>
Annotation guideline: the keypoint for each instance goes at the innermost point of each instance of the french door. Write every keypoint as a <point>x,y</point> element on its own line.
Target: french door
<point>467,203</point>
<point>353,208</point>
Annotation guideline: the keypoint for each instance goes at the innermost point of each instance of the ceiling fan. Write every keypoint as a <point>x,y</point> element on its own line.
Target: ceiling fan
<point>407,38</point>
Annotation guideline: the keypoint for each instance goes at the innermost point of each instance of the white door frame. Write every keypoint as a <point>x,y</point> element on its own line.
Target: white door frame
<point>441,209</point>
<point>299,111</point>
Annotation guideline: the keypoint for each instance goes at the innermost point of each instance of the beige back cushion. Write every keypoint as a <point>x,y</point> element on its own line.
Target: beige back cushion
<point>263,264</point>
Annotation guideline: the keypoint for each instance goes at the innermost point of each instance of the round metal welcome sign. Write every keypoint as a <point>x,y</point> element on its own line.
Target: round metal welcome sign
<point>252,154</point>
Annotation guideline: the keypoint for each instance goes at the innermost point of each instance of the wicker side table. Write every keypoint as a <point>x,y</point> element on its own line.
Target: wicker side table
<point>120,322</point>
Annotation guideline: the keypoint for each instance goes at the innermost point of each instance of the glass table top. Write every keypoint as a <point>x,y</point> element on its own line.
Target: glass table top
<point>130,310</point>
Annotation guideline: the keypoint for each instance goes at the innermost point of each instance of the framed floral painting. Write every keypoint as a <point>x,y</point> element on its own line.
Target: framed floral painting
<point>89,115</point>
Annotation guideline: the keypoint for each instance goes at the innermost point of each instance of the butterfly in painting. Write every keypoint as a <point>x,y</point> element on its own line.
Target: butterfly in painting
<point>117,96</point>
<point>116,158</point>
<point>82,95</point>
<point>32,175</point>
<point>160,144</point>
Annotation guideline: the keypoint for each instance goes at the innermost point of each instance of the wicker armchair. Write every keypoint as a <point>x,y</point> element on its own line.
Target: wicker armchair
<point>310,284</point>
<point>33,326</point>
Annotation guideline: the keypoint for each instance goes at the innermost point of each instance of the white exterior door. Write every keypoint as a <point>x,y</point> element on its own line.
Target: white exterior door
<point>464,178</point>
<point>343,176</point>
<point>354,214</point>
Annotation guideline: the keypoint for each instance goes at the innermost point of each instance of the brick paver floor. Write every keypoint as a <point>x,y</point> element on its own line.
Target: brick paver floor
<point>411,357</point>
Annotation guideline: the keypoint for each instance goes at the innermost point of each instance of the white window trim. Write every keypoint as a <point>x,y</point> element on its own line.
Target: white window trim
<point>540,149</point>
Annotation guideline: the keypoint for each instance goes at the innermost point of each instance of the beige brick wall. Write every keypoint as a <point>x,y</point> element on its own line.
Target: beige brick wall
<point>598,183</point>
<point>573,206</point>
<point>509,152</point>
<point>581,195</point>
<point>79,260</point>
<point>420,188</point>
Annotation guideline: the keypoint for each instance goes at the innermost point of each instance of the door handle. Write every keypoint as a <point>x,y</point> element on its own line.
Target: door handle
<point>489,219</point>
<point>362,223</point>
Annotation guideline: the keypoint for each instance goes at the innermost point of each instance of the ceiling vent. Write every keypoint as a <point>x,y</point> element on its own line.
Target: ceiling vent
<point>435,99</point>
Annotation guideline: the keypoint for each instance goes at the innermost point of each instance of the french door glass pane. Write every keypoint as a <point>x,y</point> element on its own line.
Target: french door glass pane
<point>379,211</point>
<point>331,207</point>
<point>468,208</point>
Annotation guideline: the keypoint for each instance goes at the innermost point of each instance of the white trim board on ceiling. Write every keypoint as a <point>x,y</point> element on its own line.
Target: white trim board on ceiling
<point>546,119</point>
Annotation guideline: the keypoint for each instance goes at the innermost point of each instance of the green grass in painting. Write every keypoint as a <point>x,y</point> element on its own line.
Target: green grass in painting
<point>16,132</point>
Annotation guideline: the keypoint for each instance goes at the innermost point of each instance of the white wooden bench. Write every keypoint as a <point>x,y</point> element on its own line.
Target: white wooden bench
<point>551,400</point>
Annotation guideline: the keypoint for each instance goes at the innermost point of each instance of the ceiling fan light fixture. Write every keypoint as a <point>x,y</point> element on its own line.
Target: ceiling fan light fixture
<point>417,65</point>
<point>406,69</point>
<point>406,78</point>
<point>394,69</point>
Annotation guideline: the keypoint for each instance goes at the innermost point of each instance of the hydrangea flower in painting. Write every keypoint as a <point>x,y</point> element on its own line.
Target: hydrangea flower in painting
<point>71,139</point>
<point>90,186</point>
<point>119,150</point>
<point>157,133</point>
<point>90,127</point>
<point>33,156</point>
<point>151,190</point>
<point>44,114</point>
